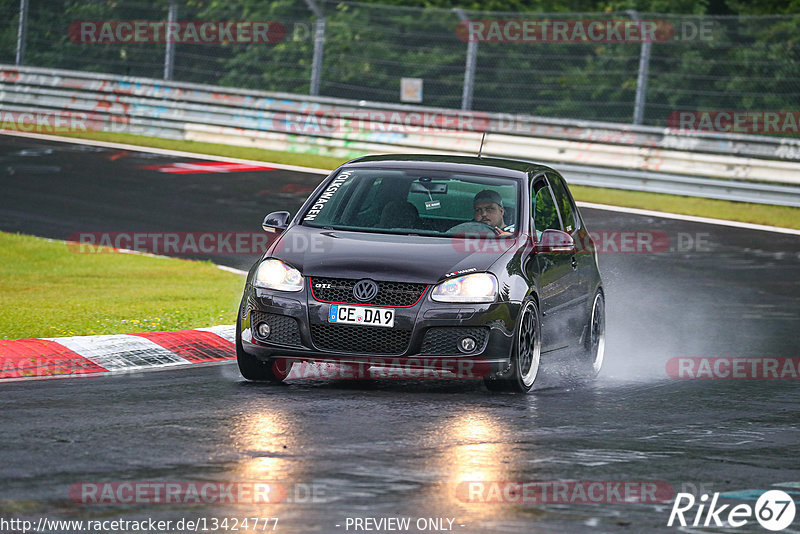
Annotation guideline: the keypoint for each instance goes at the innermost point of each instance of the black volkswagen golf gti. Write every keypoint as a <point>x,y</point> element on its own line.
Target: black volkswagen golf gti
<point>476,266</point>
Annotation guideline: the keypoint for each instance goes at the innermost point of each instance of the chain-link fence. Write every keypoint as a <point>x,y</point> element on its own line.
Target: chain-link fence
<point>568,65</point>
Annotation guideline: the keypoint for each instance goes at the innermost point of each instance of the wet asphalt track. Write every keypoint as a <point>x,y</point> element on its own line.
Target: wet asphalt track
<point>400,449</point>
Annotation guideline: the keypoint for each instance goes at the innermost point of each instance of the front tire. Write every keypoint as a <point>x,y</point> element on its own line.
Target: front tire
<point>275,370</point>
<point>526,354</point>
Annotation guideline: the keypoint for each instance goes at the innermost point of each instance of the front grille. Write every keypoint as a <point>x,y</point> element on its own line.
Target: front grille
<point>360,339</point>
<point>283,329</point>
<point>444,339</point>
<point>401,294</point>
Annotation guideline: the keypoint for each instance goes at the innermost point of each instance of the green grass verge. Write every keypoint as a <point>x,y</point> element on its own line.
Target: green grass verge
<point>783,216</point>
<point>735,211</point>
<point>49,290</point>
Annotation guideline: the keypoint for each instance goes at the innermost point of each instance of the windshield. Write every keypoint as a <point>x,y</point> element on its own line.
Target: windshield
<point>431,203</point>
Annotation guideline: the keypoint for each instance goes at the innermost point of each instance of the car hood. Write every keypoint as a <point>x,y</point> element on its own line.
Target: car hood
<point>344,254</point>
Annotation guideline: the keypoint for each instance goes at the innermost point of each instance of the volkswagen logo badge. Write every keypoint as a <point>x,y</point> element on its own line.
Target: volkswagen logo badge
<point>365,290</point>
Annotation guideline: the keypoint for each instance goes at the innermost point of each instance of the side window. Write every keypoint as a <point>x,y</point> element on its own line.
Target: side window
<point>564,201</point>
<point>545,215</point>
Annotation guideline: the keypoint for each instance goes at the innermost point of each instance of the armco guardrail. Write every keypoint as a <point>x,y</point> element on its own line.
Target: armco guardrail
<point>642,158</point>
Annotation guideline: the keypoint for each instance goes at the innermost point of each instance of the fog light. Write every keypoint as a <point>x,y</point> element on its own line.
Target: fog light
<point>467,344</point>
<point>263,330</point>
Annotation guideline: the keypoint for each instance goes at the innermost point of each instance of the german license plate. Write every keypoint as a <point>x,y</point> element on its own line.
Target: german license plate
<point>359,315</point>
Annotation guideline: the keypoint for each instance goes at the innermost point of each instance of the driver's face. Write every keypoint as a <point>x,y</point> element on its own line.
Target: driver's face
<point>489,213</point>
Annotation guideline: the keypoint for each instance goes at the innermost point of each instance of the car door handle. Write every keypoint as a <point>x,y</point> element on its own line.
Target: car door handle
<point>574,263</point>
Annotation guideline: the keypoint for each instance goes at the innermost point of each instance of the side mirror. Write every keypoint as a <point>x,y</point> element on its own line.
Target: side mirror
<point>276,221</point>
<point>555,241</point>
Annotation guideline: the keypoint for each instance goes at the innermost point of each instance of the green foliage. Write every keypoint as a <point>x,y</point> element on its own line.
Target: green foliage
<point>8,31</point>
<point>742,63</point>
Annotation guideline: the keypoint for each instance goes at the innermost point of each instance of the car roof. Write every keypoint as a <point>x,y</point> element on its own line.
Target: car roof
<point>502,166</point>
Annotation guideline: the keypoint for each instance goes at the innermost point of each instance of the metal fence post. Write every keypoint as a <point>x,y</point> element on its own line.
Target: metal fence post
<point>319,46</point>
<point>641,80</point>
<point>22,31</point>
<point>169,54</point>
<point>469,68</point>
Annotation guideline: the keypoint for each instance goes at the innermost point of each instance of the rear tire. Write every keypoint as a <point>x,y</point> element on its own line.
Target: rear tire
<point>275,370</point>
<point>595,343</point>
<point>526,354</point>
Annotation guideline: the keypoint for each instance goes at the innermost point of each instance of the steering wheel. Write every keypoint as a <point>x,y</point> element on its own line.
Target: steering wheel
<point>475,226</point>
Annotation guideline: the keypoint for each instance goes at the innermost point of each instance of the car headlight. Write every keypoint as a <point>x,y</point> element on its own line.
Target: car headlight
<point>274,274</point>
<point>478,287</point>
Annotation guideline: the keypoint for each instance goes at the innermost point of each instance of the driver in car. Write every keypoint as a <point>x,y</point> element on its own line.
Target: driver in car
<point>489,210</point>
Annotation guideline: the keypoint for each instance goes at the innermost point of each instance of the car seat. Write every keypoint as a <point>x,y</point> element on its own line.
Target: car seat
<point>399,214</point>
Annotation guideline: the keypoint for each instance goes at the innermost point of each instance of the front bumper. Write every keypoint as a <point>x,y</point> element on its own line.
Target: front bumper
<point>425,335</point>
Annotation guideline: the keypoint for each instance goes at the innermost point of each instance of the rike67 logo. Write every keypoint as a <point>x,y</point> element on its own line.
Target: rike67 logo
<point>774,510</point>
